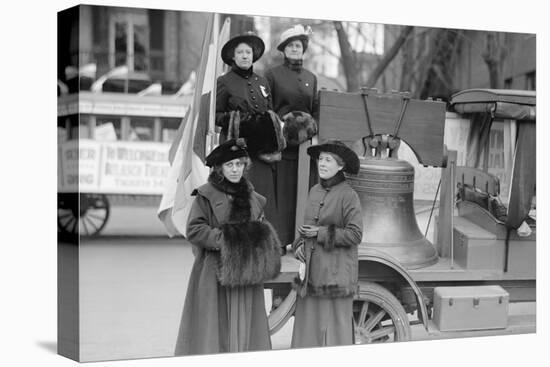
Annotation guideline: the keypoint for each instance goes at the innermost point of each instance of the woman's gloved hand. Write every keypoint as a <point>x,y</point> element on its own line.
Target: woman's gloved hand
<point>308,231</point>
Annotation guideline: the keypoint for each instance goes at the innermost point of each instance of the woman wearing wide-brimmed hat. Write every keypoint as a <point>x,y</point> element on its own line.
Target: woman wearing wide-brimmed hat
<point>236,250</point>
<point>333,227</point>
<point>294,90</point>
<point>244,109</point>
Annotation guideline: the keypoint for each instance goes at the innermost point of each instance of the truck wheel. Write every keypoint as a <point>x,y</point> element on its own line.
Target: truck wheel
<point>280,315</point>
<point>378,316</point>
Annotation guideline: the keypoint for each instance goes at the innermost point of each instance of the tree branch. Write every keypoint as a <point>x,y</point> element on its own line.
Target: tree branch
<point>388,57</point>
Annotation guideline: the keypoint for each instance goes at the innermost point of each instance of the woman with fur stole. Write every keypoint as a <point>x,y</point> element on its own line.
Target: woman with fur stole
<point>236,250</point>
<point>333,227</point>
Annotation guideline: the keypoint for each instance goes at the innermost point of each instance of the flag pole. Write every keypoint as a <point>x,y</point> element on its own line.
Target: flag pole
<point>210,136</point>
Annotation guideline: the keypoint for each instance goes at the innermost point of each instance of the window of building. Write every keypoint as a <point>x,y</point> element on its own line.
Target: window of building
<point>508,83</point>
<point>141,129</point>
<point>156,40</point>
<point>531,81</point>
<point>121,43</point>
<point>129,39</point>
<point>169,129</point>
<point>84,127</point>
<point>108,128</point>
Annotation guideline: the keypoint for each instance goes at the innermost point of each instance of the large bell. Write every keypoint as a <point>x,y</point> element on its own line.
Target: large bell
<point>385,187</point>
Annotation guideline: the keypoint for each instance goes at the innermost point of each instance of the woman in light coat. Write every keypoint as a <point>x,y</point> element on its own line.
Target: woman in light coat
<point>328,243</point>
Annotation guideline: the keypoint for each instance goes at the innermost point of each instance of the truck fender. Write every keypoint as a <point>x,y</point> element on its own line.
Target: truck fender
<point>370,254</point>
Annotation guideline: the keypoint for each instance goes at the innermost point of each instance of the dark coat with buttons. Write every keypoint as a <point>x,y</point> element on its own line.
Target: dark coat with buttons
<point>332,257</point>
<point>248,93</point>
<point>240,92</point>
<point>293,90</point>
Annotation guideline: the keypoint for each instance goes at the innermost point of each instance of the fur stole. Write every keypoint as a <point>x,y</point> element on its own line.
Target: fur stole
<point>240,193</point>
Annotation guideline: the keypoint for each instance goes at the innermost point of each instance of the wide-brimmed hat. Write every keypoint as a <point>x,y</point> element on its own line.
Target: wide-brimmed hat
<point>298,32</point>
<point>227,151</point>
<point>228,50</point>
<point>351,160</point>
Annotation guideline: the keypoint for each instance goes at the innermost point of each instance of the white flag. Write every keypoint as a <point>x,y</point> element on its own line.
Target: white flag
<point>194,136</point>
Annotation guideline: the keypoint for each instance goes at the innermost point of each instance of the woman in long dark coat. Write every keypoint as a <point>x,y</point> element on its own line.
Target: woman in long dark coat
<point>332,229</point>
<point>294,91</point>
<point>236,250</point>
<point>244,109</point>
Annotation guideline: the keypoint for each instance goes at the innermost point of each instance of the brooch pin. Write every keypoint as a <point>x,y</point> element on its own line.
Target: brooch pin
<point>264,93</point>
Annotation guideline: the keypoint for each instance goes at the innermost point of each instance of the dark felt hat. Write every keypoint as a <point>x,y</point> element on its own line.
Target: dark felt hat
<point>228,50</point>
<point>351,160</point>
<point>227,151</point>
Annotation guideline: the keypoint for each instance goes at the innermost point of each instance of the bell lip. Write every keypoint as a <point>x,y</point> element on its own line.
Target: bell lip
<point>420,246</point>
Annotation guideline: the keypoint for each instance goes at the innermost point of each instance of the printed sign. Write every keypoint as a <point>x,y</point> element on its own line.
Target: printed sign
<point>114,167</point>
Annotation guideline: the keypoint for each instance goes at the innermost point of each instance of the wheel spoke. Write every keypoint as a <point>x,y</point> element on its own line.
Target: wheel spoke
<point>363,314</point>
<point>64,215</point>
<point>373,321</point>
<point>65,220</point>
<point>95,216</point>
<point>91,223</point>
<point>83,221</point>
<point>67,224</point>
<point>380,333</point>
<point>74,225</point>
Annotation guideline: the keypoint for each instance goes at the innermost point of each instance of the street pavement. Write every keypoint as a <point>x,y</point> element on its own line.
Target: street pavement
<point>133,281</point>
<point>132,291</point>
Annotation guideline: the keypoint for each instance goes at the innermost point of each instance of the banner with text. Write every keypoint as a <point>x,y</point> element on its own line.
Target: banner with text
<point>114,167</point>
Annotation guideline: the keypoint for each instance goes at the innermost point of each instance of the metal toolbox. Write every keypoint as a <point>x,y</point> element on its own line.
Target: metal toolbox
<point>470,308</point>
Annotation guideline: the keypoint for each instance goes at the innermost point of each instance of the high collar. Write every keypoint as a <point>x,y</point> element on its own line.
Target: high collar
<point>295,65</point>
<point>241,188</point>
<point>242,72</point>
<point>333,181</point>
<point>240,209</point>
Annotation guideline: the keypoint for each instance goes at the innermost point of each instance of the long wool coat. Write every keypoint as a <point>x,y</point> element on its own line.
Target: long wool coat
<point>293,89</point>
<point>219,318</point>
<point>324,314</point>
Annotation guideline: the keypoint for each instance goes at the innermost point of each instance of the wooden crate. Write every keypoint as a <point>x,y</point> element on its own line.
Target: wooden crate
<point>470,308</point>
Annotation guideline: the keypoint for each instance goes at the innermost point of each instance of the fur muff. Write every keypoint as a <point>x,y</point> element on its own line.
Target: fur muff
<point>298,127</point>
<point>250,254</point>
<point>263,133</point>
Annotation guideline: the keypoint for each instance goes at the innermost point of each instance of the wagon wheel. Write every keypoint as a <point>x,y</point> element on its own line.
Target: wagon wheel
<point>67,211</point>
<point>280,315</point>
<point>378,316</point>
<point>88,219</point>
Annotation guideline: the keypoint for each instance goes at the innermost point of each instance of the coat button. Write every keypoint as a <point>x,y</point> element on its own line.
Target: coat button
<point>253,97</point>
<point>249,83</point>
<point>316,218</point>
<point>256,105</point>
<point>321,203</point>
<point>252,91</point>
